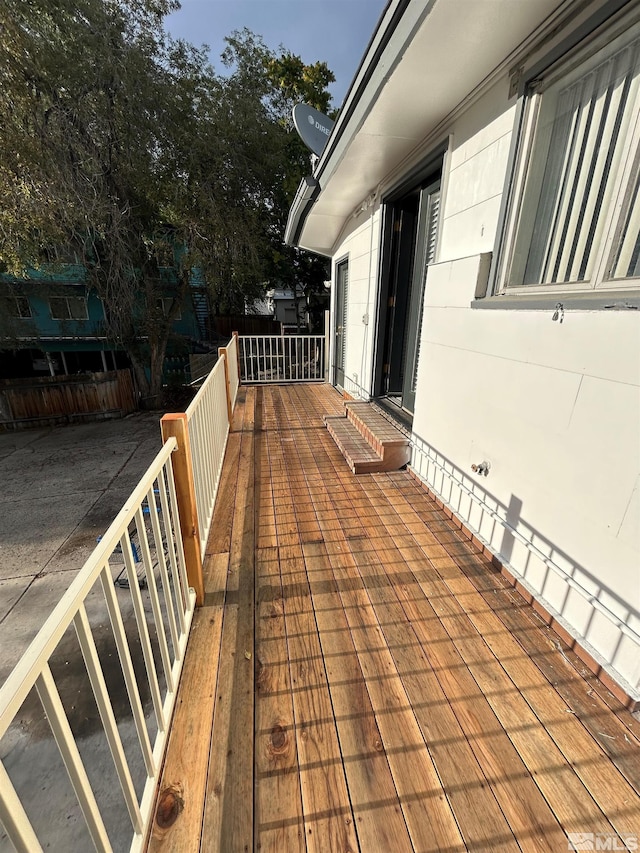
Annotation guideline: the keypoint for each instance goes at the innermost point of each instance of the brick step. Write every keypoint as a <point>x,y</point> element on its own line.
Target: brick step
<point>374,427</point>
<point>367,440</point>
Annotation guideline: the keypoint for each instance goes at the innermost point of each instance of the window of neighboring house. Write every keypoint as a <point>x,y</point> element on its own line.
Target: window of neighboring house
<point>575,215</point>
<point>22,309</point>
<point>68,308</point>
<point>165,304</point>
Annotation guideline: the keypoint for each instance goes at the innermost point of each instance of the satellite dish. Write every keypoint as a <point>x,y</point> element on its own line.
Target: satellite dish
<point>313,126</point>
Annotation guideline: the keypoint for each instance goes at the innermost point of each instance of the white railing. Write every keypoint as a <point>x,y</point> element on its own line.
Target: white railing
<point>208,426</point>
<point>283,358</point>
<point>130,602</point>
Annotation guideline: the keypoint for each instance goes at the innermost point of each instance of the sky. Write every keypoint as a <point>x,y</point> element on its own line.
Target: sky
<point>333,31</point>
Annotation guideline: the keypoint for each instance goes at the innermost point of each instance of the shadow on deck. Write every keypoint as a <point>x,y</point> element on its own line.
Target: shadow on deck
<point>361,678</point>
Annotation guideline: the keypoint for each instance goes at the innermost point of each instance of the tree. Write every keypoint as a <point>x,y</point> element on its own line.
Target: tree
<point>234,166</point>
<point>282,80</point>
<point>85,97</point>
<point>294,82</point>
<point>126,146</point>
<point>120,146</point>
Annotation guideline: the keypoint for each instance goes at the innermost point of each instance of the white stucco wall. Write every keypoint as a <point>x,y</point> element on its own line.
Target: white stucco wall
<point>554,407</point>
<point>474,180</point>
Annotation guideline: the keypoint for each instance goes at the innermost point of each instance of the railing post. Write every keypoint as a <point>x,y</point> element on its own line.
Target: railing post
<point>237,337</point>
<point>175,425</point>
<point>222,352</point>
<point>327,344</point>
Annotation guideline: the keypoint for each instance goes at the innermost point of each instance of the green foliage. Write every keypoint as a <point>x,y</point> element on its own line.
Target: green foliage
<point>296,82</point>
<point>282,81</point>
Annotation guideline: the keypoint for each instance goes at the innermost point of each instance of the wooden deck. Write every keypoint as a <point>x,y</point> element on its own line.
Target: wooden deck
<point>361,678</point>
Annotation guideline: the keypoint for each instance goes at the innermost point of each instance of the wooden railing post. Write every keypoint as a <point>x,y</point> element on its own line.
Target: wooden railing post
<point>175,425</point>
<point>222,352</point>
<point>237,337</point>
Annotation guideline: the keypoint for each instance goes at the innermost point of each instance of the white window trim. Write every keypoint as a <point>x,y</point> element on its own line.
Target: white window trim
<point>598,284</point>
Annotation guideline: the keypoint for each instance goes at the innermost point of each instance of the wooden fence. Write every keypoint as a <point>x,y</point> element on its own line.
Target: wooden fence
<point>49,400</point>
<point>246,324</point>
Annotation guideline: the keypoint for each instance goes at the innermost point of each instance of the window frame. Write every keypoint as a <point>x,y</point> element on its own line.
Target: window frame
<point>19,313</point>
<point>558,65</point>
<point>70,317</point>
<point>164,305</point>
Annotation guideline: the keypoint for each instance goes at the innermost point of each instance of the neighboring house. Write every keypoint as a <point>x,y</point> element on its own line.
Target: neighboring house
<point>479,198</point>
<point>52,323</point>
<point>285,309</point>
<point>280,304</point>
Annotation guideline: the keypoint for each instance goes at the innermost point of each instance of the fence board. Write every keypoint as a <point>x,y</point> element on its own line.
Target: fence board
<point>65,398</point>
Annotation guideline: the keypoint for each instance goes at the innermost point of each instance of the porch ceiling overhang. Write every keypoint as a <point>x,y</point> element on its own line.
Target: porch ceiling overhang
<point>424,59</point>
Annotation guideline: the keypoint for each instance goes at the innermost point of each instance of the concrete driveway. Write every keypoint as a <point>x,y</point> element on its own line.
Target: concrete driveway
<point>60,488</point>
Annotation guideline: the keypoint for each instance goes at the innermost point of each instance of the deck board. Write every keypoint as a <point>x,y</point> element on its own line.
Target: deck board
<point>362,679</point>
<point>498,665</point>
<point>328,816</point>
<point>377,810</point>
<point>228,813</point>
<point>278,821</point>
<point>469,671</point>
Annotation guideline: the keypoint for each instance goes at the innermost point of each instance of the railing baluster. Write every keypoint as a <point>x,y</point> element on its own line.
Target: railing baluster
<point>128,672</point>
<point>162,565</point>
<point>197,463</point>
<point>143,631</point>
<point>61,730</point>
<point>283,358</point>
<point>105,708</point>
<point>155,599</point>
<point>34,667</point>
<point>179,593</point>
<point>182,566</point>
<point>207,465</point>
<point>14,818</point>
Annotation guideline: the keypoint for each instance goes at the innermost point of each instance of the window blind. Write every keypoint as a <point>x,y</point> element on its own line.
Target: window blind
<point>577,169</point>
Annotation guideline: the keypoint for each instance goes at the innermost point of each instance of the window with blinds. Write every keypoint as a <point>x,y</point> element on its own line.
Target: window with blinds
<point>579,188</point>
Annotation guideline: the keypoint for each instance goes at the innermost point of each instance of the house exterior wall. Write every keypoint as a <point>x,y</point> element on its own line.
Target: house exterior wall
<point>47,327</point>
<point>84,338</point>
<point>554,407</point>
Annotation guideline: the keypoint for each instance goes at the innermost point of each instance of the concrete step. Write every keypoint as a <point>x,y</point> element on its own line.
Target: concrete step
<point>367,440</point>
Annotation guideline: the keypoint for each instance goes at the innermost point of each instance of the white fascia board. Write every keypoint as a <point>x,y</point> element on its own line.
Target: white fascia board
<point>395,35</point>
<point>357,104</point>
<point>420,66</point>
